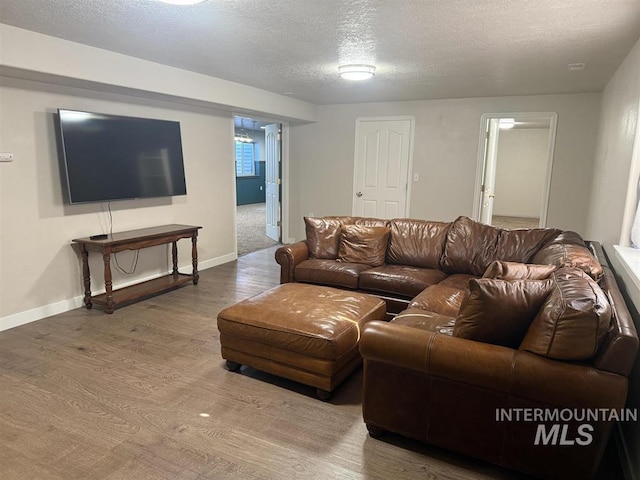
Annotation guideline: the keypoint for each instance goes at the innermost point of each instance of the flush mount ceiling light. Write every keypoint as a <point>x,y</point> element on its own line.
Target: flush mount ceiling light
<point>506,123</point>
<point>576,67</point>
<point>182,2</point>
<point>357,71</point>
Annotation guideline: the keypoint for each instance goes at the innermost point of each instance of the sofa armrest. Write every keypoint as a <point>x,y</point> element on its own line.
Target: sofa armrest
<point>501,369</point>
<point>430,353</point>
<point>288,256</point>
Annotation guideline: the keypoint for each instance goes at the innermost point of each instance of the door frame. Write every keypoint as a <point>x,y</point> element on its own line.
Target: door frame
<point>412,121</point>
<point>484,124</point>
<point>284,176</point>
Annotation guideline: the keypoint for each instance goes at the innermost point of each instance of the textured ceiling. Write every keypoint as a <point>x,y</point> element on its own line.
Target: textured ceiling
<point>423,49</point>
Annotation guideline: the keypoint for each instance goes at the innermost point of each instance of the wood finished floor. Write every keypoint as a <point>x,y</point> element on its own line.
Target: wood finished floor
<point>142,394</point>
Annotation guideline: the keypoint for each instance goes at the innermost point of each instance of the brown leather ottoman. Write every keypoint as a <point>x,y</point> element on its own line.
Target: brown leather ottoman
<point>306,333</point>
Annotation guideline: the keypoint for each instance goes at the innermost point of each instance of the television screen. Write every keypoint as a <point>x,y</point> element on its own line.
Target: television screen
<point>110,157</point>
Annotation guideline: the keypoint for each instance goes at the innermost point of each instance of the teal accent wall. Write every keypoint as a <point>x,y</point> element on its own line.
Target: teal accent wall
<point>251,189</point>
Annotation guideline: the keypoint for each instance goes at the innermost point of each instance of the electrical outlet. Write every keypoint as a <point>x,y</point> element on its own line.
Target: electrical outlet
<point>416,177</point>
<point>6,157</point>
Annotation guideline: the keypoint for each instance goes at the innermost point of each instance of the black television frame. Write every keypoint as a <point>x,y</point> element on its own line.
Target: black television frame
<point>73,169</point>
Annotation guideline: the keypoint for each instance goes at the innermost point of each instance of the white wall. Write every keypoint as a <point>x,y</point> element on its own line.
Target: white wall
<point>445,156</point>
<point>521,172</point>
<point>39,267</point>
<point>615,180</point>
<point>616,138</point>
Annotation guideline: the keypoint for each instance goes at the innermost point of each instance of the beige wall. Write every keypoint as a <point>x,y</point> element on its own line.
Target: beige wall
<point>38,266</point>
<point>31,55</point>
<point>445,156</point>
<point>39,271</point>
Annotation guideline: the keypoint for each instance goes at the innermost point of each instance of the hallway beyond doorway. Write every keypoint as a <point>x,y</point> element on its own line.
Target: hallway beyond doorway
<point>251,222</point>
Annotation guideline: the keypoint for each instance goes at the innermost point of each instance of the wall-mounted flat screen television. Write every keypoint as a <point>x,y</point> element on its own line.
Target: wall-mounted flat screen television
<point>111,157</point>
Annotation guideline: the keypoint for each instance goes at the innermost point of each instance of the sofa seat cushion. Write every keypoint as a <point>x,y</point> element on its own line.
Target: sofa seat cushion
<point>440,299</point>
<point>458,280</point>
<point>424,320</point>
<point>418,243</point>
<point>399,280</point>
<point>573,321</point>
<point>329,272</point>
<point>500,311</point>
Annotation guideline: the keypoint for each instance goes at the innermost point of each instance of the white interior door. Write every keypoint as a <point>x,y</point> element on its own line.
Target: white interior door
<point>272,180</point>
<point>382,157</point>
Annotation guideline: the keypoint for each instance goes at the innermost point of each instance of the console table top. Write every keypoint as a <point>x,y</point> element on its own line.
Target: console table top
<point>139,234</point>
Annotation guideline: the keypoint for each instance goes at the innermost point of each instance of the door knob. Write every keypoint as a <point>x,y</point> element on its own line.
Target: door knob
<point>359,194</point>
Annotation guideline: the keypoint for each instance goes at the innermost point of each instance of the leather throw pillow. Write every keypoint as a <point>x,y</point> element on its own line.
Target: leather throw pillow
<point>361,244</point>
<point>323,237</point>
<point>573,321</point>
<point>502,270</point>
<point>500,311</point>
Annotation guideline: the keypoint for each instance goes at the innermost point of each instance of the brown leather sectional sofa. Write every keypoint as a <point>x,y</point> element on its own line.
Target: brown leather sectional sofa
<point>512,346</point>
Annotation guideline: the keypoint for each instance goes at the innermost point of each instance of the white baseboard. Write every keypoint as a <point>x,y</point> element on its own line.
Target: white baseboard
<point>38,313</point>
<point>44,311</point>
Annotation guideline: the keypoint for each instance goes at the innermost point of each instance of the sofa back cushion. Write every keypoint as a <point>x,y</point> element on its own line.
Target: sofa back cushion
<point>500,311</point>
<point>569,250</point>
<point>502,270</point>
<point>472,246</point>
<point>573,320</point>
<point>362,244</point>
<point>417,243</point>
<point>368,221</point>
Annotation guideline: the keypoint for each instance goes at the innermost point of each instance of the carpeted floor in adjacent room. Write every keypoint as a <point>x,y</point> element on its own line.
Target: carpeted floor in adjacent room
<point>251,221</point>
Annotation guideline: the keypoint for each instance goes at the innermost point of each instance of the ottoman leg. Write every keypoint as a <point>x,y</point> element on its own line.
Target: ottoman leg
<point>233,366</point>
<point>375,431</point>
<point>323,394</point>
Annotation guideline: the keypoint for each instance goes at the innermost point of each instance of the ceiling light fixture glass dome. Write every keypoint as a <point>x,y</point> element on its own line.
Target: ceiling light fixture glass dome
<point>506,123</point>
<point>357,71</point>
<point>182,2</point>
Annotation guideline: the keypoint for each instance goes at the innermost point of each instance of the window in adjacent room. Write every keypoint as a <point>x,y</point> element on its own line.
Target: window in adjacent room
<point>245,159</point>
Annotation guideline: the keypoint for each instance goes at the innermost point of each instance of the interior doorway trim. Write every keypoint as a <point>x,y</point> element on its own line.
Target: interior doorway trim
<point>552,117</point>
<point>285,198</point>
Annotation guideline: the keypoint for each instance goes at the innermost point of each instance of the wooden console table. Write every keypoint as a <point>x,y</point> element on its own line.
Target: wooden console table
<point>136,240</point>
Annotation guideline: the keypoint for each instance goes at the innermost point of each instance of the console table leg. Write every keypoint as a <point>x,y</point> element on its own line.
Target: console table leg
<point>108,283</point>
<point>86,278</point>
<point>194,257</point>
<point>174,258</point>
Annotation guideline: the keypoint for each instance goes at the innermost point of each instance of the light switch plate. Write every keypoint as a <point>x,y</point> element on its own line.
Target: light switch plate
<point>6,157</point>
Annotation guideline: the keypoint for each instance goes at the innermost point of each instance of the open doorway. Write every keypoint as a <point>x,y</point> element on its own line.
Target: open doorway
<point>514,169</point>
<point>257,170</point>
